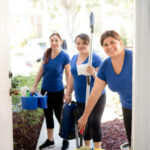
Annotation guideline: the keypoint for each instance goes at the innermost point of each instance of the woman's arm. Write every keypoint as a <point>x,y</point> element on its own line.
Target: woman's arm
<point>98,87</point>
<point>67,73</point>
<point>38,78</point>
<point>69,89</point>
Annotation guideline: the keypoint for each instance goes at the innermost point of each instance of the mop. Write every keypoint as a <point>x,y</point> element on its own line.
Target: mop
<point>88,79</point>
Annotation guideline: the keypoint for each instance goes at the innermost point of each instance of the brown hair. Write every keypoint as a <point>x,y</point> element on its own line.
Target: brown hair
<point>109,33</point>
<point>84,37</point>
<point>48,52</point>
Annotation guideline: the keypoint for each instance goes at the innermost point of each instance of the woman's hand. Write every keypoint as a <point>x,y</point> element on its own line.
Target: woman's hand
<point>90,70</point>
<point>33,90</point>
<point>82,123</point>
<point>67,98</point>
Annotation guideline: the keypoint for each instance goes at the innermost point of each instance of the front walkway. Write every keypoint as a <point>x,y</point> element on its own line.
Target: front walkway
<point>58,140</point>
<point>107,115</point>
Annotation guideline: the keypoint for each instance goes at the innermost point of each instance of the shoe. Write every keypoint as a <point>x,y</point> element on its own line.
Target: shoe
<point>47,144</point>
<point>65,145</point>
<point>125,146</point>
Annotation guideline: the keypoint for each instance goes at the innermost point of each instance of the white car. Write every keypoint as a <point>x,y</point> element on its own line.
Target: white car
<point>35,49</point>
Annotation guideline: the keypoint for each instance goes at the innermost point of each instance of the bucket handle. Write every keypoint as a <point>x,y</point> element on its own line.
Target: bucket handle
<point>33,94</point>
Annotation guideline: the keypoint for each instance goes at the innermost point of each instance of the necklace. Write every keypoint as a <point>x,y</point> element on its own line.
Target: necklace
<point>81,59</point>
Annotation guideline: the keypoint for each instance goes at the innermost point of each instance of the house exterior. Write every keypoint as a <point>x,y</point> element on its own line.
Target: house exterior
<point>141,78</point>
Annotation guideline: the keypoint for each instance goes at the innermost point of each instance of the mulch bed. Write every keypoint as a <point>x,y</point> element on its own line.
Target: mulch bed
<point>113,134</point>
<point>25,135</point>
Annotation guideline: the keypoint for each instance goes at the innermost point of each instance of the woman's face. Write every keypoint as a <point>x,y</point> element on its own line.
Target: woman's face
<point>55,42</point>
<point>112,47</point>
<point>81,46</point>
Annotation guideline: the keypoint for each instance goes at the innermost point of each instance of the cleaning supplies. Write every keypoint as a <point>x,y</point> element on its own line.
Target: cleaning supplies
<point>24,91</point>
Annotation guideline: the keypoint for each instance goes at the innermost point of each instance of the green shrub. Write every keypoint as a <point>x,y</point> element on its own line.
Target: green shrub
<point>16,83</point>
<point>24,121</point>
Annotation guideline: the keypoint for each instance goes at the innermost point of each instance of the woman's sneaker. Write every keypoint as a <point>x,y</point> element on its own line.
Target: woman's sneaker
<point>47,144</point>
<point>65,145</point>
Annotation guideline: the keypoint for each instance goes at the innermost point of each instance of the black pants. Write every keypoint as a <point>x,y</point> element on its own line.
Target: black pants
<point>54,104</point>
<point>93,128</point>
<point>127,116</point>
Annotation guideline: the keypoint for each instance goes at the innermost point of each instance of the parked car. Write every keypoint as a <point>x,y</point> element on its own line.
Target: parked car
<point>35,49</point>
<point>63,47</point>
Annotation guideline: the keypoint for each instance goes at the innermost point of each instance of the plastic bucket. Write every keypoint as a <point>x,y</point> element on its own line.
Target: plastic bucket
<point>42,101</point>
<point>29,103</point>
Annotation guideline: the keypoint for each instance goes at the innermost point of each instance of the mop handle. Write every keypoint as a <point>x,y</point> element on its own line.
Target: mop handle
<point>88,78</point>
<point>92,30</point>
<point>92,22</point>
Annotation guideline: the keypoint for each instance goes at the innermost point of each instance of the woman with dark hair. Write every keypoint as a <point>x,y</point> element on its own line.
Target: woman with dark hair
<point>78,84</point>
<point>116,71</point>
<point>54,63</point>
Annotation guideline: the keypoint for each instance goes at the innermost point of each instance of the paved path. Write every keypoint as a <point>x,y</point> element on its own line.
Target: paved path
<point>107,115</point>
<point>58,140</point>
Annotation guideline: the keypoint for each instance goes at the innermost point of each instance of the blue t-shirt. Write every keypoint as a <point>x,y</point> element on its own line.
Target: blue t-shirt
<point>79,82</point>
<point>53,72</point>
<point>121,83</point>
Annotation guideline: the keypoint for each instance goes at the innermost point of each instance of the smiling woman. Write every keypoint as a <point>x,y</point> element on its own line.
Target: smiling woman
<point>51,70</point>
<point>113,47</point>
<point>116,71</point>
<point>77,82</point>
<point>112,43</point>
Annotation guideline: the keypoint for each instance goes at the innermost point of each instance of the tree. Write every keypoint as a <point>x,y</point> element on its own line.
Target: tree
<point>70,17</point>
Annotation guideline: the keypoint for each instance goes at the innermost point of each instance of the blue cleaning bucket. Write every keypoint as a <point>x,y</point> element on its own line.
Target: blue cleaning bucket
<point>29,103</point>
<point>42,101</point>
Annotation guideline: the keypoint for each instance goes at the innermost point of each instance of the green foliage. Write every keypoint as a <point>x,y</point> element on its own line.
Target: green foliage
<point>31,117</point>
<point>24,120</point>
<point>16,83</point>
<point>19,81</point>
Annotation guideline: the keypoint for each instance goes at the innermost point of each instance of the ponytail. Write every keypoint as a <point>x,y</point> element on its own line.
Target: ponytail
<point>47,55</point>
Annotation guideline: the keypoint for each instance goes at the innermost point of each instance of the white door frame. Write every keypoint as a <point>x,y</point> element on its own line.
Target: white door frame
<point>6,138</point>
<point>141,77</point>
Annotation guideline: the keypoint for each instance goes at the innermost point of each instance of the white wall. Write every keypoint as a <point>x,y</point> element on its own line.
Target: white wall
<point>6,142</point>
<point>141,78</point>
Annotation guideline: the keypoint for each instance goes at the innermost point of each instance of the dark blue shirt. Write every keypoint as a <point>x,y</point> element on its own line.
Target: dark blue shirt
<point>79,82</point>
<point>121,83</point>
<point>53,72</point>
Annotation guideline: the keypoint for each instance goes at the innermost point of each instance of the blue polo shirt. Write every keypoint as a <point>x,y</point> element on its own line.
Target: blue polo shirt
<point>53,72</point>
<point>79,82</point>
<point>121,83</point>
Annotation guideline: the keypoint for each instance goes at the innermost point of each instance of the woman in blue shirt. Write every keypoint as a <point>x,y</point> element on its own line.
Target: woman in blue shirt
<point>78,84</point>
<point>116,71</point>
<point>54,63</point>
